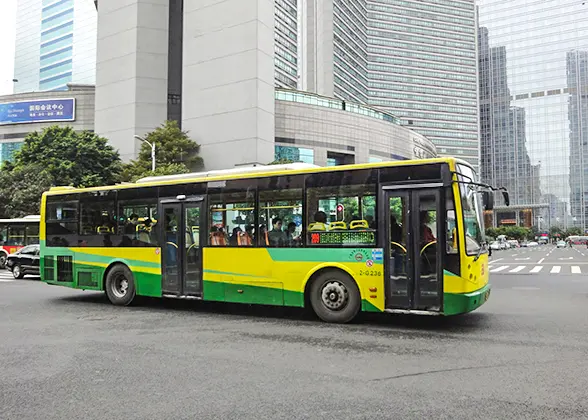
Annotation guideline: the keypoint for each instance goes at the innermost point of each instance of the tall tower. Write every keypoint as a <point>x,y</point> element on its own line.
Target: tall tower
<point>414,58</point>
<point>55,44</point>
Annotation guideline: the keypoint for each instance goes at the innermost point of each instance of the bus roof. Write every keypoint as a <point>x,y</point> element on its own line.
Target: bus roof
<point>250,172</point>
<point>25,219</point>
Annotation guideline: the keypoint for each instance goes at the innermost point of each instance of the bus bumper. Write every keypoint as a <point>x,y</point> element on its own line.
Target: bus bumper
<point>454,304</point>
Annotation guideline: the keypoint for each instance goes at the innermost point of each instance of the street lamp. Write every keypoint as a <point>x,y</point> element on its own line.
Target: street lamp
<point>152,145</point>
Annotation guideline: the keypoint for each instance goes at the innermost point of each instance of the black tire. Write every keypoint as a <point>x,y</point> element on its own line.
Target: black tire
<point>120,285</point>
<point>334,297</point>
<point>17,272</point>
<point>2,261</point>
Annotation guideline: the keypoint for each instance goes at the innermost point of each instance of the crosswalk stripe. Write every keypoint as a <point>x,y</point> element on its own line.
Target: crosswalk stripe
<point>576,269</point>
<point>555,269</point>
<point>537,269</point>
<point>496,270</point>
<point>516,270</point>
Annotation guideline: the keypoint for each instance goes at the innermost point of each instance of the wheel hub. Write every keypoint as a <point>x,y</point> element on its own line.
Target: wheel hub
<point>120,287</point>
<point>334,295</point>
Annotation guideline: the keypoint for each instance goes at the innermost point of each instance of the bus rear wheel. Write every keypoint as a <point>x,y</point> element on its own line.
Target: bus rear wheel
<point>334,297</point>
<point>2,261</point>
<point>120,285</point>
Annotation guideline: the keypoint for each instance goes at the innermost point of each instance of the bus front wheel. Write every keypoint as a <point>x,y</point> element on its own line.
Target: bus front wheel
<point>120,285</point>
<point>334,297</point>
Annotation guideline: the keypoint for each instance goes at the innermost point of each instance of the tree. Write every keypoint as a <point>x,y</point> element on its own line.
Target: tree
<point>175,153</point>
<point>54,156</point>
<point>21,191</point>
<point>573,231</point>
<point>555,231</point>
<point>79,159</point>
<point>281,161</point>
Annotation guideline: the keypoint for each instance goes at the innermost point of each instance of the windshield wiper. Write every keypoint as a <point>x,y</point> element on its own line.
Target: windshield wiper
<point>480,251</point>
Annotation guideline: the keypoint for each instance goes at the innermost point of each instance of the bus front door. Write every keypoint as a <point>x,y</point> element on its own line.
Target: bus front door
<point>182,254</point>
<point>413,268</point>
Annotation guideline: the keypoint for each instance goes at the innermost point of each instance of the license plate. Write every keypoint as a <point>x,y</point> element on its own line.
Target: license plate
<point>486,295</point>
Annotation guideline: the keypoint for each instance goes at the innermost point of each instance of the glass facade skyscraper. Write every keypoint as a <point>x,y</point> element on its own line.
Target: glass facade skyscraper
<point>55,44</point>
<point>286,43</point>
<point>413,58</point>
<point>422,68</point>
<point>533,108</point>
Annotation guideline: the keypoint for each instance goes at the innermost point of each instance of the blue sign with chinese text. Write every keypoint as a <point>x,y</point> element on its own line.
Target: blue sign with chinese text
<point>41,110</point>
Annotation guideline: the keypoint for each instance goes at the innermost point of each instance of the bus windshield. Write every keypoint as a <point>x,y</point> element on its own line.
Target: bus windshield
<point>472,210</point>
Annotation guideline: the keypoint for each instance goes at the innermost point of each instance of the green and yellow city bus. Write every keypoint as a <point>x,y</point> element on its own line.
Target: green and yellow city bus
<point>399,237</point>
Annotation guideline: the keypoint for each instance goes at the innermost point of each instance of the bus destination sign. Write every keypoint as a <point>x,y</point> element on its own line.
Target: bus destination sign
<point>360,237</point>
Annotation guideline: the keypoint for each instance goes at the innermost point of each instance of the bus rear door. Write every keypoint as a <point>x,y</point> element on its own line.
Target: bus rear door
<point>180,229</point>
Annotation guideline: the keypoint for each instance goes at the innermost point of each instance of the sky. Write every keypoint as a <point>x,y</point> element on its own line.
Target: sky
<point>7,35</point>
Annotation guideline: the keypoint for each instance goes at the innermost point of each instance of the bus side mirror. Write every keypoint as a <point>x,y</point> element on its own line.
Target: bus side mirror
<point>488,199</point>
<point>506,198</point>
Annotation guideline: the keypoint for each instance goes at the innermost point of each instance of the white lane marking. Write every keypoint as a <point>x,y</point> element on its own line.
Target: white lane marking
<point>555,269</point>
<point>493,261</point>
<point>496,270</point>
<point>540,261</point>
<point>522,259</point>
<point>5,281</point>
<point>519,268</point>
<point>576,269</point>
<point>537,269</point>
<point>568,258</point>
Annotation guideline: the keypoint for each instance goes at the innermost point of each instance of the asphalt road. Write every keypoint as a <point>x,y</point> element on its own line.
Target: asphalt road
<point>540,260</point>
<point>70,355</point>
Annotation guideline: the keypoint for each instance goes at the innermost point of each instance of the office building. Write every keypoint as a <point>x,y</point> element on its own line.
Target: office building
<point>536,55</point>
<point>23,113</point>
<point>577,69</point>
<point>220,70</point>
<point>55,44</point>
<point>503,128</point>
<point>415,59</point>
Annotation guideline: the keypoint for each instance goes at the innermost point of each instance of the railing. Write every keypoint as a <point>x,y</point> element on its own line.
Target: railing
<point>333,103</point>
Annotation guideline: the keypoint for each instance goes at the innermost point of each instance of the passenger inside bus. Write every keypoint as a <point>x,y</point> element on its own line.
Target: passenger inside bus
<point>320,221</point>
<point>291,237</point>
<point>234,239</point>
<point>277,237</point>
<point>426,232</point>
<point>395,231</point>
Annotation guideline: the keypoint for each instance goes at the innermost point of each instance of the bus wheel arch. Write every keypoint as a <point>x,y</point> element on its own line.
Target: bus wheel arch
<point>333,295</point>
<point>119,284</point>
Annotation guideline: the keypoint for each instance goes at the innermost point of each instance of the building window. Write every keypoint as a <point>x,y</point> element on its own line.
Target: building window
<point>336,159</point>
<point>295,154</point>
<point>7,150</point>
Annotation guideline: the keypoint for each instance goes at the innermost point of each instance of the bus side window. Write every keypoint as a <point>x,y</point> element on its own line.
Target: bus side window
<point>231,212</point>
<point>97,218</point>
<point>280,211</point>
<point>451,230</point>
<point>341,208</point>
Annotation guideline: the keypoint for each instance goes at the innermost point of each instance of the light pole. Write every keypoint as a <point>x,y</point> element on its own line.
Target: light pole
<point>152,145</point>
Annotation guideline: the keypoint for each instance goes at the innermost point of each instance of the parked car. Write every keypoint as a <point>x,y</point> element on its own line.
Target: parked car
<point>495,246</point>
<point>24,261</point>
<point>532,244</point>
<point>513,243</point>
<point>561,244</point>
